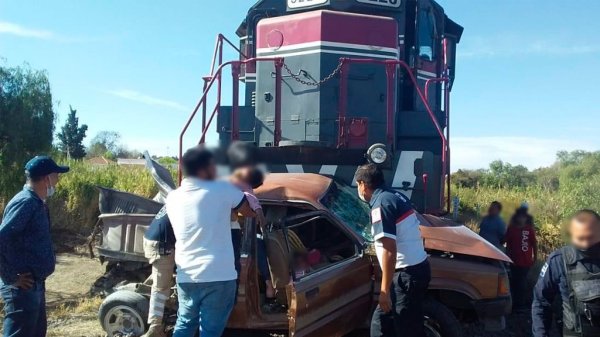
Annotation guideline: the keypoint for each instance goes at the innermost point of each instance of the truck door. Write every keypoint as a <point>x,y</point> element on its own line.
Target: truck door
<point>334,295</point>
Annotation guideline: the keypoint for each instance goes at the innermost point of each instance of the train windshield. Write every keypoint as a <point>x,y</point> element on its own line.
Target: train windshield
<point>345,204</point>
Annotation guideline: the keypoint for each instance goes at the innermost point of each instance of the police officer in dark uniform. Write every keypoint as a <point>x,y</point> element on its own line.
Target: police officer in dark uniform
<point>572,275</point>
<point>405,268</point>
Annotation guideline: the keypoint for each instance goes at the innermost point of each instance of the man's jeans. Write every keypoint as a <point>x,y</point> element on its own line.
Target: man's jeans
<point>408,291</point>
<point>204,306</point>
<point>25,311</point>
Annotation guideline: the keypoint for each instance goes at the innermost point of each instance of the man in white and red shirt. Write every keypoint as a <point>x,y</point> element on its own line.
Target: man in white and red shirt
<point>521,247</point>
<point>405,268</point>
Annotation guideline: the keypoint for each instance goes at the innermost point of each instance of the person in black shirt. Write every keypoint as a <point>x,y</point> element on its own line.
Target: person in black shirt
<point>571,276</point>
<point>159,248</point>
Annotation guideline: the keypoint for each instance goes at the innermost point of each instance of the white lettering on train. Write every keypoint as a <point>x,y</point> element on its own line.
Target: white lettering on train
<point>305,3</point>
<point>386,3</point>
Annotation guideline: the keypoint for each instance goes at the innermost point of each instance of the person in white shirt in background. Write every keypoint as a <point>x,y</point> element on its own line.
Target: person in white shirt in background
<point>200,213</point>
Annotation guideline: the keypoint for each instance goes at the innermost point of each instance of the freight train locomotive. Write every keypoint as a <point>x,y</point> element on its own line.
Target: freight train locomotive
<point>330,82</point>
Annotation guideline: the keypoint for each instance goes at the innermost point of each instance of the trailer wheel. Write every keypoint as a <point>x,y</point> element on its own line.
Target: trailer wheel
<point>440,321</point>
<point>124,313</point>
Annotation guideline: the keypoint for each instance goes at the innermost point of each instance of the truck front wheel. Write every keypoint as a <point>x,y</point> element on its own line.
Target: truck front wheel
<point>440,321</point>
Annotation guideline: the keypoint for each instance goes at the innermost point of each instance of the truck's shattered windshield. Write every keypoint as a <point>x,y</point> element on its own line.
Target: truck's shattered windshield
<point>344,203</point>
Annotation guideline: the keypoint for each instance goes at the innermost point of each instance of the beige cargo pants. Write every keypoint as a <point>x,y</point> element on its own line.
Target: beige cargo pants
<point>162,280</point>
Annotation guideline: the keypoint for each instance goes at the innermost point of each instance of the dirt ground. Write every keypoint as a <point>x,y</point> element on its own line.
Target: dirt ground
<point>72,312</point>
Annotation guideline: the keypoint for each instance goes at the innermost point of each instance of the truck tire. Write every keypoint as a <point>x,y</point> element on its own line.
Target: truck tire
<point>124,313</point>
<point>440,321</point>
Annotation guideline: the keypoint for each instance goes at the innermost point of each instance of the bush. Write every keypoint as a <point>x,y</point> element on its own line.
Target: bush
<point>561,190</point>
<point>548,209</point>
<point>26,123</point>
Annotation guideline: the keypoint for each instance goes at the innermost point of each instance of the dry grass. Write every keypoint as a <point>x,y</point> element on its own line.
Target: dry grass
<point>78,319</point>
<point>87,306</point>
<point>71,311</point>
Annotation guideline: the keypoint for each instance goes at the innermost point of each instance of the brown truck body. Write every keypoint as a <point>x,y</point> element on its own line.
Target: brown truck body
<point>338,295</point>
<point>340,298</point>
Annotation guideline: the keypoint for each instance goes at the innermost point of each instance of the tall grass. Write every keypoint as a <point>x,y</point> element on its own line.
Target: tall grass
<point>75,206</point>
<point>551,209</point>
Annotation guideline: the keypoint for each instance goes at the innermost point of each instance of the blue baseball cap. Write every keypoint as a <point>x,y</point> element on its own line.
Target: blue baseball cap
<point>41,166</point>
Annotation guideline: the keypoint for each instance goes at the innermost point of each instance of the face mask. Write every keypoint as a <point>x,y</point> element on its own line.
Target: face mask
<point>362,197</point>
<point>50,190</point>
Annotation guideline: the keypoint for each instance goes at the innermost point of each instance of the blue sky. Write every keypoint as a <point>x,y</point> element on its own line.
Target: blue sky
<point>526,87</point>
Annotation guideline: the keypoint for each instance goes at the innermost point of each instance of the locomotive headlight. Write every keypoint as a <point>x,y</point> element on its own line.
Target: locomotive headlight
<point>377,154</point>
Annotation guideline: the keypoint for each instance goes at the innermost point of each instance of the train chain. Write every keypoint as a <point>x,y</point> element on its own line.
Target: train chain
<point>313,83</point>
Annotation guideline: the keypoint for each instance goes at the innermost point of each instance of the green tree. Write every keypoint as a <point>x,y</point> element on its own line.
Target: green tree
<point>505,175</point>
<point>586,165</point>
<point>105,143</point>
<point>167,161</point>
<point>566,158</point>
<point>71,136</point>
<point>108,144</point>
<point>26,123</point>
<point>468,178</point>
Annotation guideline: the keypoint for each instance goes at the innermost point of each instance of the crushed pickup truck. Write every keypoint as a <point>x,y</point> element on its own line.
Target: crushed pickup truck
<point>338,294</point>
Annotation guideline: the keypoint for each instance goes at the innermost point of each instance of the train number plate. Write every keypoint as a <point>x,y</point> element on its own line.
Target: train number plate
<point>305,3</point>
<point>385,3</point>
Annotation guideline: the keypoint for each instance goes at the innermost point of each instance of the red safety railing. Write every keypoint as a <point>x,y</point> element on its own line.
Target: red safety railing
<point>392,66</point>
<point>391,71</point>
<point>216,72</point>
<point>217,77</point>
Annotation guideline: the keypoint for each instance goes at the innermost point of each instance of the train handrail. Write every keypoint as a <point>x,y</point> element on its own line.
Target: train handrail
<point>391,71</point>
<point>390,132</point>
<point>278,62</point>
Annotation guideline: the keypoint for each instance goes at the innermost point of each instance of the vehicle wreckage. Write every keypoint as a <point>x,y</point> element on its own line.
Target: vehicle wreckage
<point>328,85</point>
<point>306,211</point>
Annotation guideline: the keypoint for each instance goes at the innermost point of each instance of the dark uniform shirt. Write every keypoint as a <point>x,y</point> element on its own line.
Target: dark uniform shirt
<point>552,284</point>
<point>25,241</point>
<point>161,230</point>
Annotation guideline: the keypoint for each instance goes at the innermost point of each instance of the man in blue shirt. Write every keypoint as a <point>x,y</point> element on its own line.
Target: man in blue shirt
<point>492,228</point>
<point>571,276</point>
<point>401,253</point>
<point>26,251</point>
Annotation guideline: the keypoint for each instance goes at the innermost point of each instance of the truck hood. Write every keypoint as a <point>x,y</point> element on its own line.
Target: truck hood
<point>447,236</point>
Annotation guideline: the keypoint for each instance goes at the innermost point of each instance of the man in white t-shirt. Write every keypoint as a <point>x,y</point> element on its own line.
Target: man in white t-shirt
<point>200,211</point>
